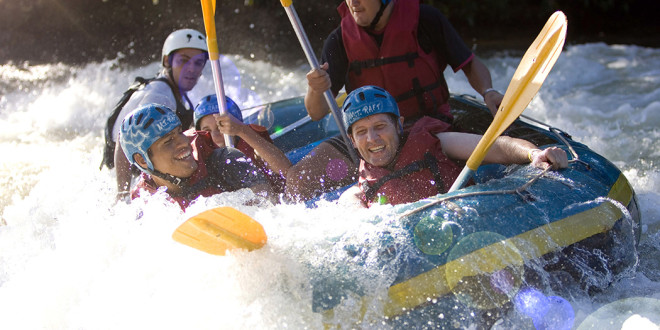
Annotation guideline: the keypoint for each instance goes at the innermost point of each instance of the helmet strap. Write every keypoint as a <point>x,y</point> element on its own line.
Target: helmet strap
<point>169,73</point>
<point>379,14</point>
<point>179,182</point>
<point>168,67</point>
<point>180,96</point>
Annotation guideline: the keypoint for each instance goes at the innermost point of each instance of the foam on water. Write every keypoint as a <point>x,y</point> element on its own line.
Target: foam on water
<point>72,258</point>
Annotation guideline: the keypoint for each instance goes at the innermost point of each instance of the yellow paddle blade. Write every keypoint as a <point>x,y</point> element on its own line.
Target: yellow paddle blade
<point>526,82</point>
<point>286,3</point>
<point>220,229</point>
<point>208,10</point>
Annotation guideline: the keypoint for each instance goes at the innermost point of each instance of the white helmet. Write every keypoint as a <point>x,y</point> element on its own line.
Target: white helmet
<point>184,38</point>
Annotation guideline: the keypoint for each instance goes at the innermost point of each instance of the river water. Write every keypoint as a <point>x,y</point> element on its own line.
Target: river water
<point>72,258</point>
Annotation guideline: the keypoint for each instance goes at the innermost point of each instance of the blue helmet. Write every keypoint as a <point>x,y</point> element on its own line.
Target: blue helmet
<point>366,101</point>
<point>209,105</point>
<point>144,126</point>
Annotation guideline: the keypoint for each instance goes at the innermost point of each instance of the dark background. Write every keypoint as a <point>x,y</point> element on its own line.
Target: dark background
<point>81,31</point>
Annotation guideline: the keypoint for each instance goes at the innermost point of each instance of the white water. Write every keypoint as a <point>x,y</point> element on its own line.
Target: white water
<point>70,258</point>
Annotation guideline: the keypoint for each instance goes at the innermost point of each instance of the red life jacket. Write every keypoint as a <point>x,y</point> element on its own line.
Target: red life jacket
<point>203,146</point>
<point>421,170</point>
<point>400,66</point>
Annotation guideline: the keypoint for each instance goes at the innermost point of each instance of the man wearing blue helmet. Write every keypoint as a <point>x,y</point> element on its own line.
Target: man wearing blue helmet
<point>252,140</point>
<point>400,45</point>
<point>187,166</point>
<point>400,167</point>
<point>183,58</point>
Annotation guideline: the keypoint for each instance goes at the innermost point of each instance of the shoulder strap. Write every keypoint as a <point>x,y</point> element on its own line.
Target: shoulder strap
<point>357,66</point>
<point>429,162</point>
<point>184,114</point>
<point>109,149</point>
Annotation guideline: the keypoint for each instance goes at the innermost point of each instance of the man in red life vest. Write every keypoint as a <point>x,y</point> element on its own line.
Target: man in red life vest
<point>185,166</point>
<point>400,45</point>
<point>398,167</point>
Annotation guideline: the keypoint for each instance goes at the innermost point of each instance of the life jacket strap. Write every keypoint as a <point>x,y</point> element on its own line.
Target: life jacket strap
<point>428,162</point>
<point>357,66</point>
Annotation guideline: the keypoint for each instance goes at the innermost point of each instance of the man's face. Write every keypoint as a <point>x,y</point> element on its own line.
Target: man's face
<point>208,123</point>
<point>363,11</point>
<point>377,139</point>
<point>187,66</point>
<point>172,154</point>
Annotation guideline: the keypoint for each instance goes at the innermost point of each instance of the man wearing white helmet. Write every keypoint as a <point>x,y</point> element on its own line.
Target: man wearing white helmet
<point>183,58</point>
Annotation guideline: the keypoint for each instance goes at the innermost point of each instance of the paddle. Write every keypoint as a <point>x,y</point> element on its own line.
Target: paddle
<point>221,229</point>
<point>208,11</point>
<point>526,82</point>
<point>311,58</point>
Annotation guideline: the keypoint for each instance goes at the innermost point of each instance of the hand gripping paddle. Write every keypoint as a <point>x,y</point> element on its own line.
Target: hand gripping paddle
<point>208,11</point>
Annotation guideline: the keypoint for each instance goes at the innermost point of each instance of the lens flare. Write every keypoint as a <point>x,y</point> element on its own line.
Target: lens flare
<point>551,312</point>
<point>433,235</point>
<point>629,313</point>
<point>337,169</point>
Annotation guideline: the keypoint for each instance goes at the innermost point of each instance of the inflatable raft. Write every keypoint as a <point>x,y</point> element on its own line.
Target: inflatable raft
<point>473,252</point>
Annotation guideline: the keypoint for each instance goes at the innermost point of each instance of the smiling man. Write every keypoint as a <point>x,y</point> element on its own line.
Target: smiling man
<point>398,167</point>
<point>184,56</point>
<point>185,166</point>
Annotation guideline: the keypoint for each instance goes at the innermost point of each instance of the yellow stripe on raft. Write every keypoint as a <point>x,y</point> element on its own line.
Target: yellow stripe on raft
<point>531,245</point>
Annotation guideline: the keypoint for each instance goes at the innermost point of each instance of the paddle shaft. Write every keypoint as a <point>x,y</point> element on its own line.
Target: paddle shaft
<point>311,58</point>
<point>526,82</point>
<point>208,11</point>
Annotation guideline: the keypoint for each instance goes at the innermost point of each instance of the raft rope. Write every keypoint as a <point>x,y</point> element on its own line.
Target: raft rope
<point>521,191</point>
<point>561,136</point>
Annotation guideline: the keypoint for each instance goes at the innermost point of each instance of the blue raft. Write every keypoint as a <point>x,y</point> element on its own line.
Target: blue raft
<point>470,254</point>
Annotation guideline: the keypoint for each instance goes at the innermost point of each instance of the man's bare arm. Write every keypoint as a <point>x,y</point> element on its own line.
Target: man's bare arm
<point>318,82</point>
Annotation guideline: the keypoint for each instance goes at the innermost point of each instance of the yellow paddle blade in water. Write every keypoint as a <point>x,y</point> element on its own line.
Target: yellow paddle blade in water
<point>221,229</point>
